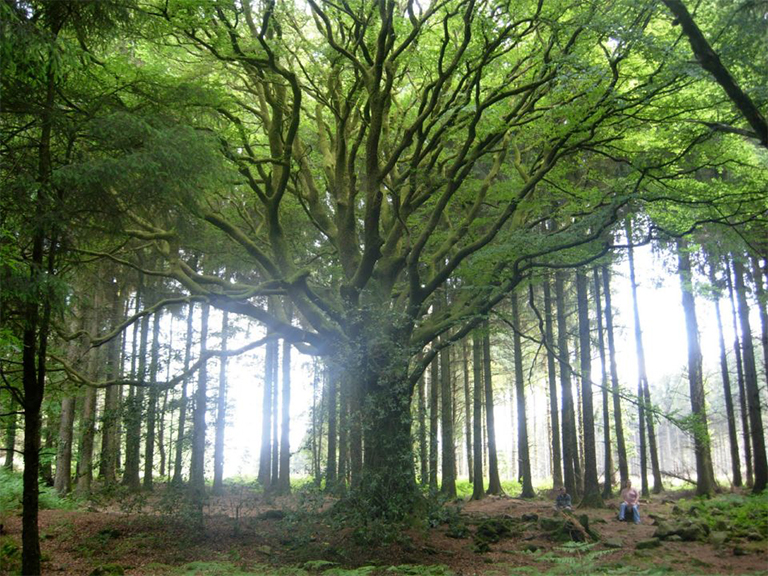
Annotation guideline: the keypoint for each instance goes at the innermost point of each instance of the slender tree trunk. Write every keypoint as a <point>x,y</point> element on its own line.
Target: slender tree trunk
<point>10,434</point>
<point>740,380</point>
<point>183,401</point>
<point>762,304</point>
<point>448,484</point>
<point>62,482</point>
<point>642,377</point>
<point>434,391</point>
<point>467,406</point>
<point>284,477</point>
<point>726,378</point>
<point>610,477</point>
<point>197,467</point>
<point>265,459</point>
<point>621,448</point>
<point>111,416</point>
<point>494,482</point>
<point>570,451</point>
<point>355,417</point>
<point>750,382</point>
<point>330,469</point>
<point>522,419</point>
<point>221,411</point>
<point>478,493</point>
<point>549,336</point>
<point>135,409</point>
<point>275,417</point>
<point>343,434</point>
<point>88,415</point>
<point>154,362</point>
<point>705,475</point>
<point>592,497</point>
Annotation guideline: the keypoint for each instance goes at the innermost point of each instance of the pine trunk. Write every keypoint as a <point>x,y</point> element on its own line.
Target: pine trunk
<point>705,475</point>
<point>154,362</point>
<point>610,478</point>
<point>197,465</point>
<point>184,400</point>
<point>478,493</point>
<point>549,337</point>
<point>284,474</point>
<point>331,466</point>
<point>750,382</point>
<point>221,411</point>
<point>522,419</point>
<point>265,458</point>
<point>62,482</point>
<point>434,392</point>
<point>448,456</point>
<point>467,407</point>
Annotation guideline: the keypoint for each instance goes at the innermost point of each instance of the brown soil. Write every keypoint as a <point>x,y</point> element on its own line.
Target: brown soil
<point>237,530</point>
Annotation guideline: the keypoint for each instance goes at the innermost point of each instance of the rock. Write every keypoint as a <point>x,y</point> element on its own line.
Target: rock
<point>266,550</point>
<point>673,538</point>
<point>481,547</point>
<point>667,501</point>
<point>677,510</point>
<point>722,526</point>
<point>613,543</point>
<point>493,530</point>
<point>108,570</point>
<point>755,536</point>
<point>739,551</point>
<point>664,530</point>
<point>530,517</point>
<point>532,548</point>
<point>692,533</point>
<point>718,538</point>
<point>650,543</point>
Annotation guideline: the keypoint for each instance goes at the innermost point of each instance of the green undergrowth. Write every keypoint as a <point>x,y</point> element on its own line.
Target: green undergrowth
<point>308,569</point>
<point>742,514</point>
<point>12,486</point>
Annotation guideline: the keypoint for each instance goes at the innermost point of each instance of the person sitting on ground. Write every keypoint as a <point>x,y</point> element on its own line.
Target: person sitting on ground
<point>563,500</point>
<point>630,499</point>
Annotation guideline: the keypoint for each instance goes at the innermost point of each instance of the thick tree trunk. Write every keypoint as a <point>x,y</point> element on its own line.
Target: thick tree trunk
<point>62,482</point>
<point>275,417</point>
<point>570,449</point>
<point>184,400</point>
<point>592,497</point>
<point>522,419</point>
<point>111,416</point>
<point>448,455</point>
<point>494,482</point>
<point>478,493</point>
<point>549,336</point>
<point>750,382</point>
<point>467,408</point>
<point>621,448</point>
<point>740,379</point>
<point>221,411</point>
<point>610,477</point>
<point>284,474</point>
<point>197,466</point>
<point>87,434</point>
<point>434,396</point>
<point>758,277</point>
<point>705,475</point>
<point>726,379</point>
<point>149,446</point>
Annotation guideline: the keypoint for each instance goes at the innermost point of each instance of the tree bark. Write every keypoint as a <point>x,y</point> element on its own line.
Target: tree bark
<point>62,482</point>
<point>221,411</point>
<point>330,468</point>
<point>265,459</point>
<point>522,419</point>
<point>284,475</point>
<point>750,382</point>
<point>592,497</point>
<point>478,493</point>
<point>434,391</point>
<point>135,408</point>
<point>762,304</point>
<point>343,476</point>
<point>549,336</point>
<point>570,450</point>
<point>621,448</point>
<point>448,455</point>
<point>467,407</point>
<point>740,379</point>
<point>111,416</point>
<point>197,465</point>
<point>154,362</point>
<point>494,482</point>
<point>730,413</point>
<point>705,475</point>
<point>184,400</point>
<point>610,477</point>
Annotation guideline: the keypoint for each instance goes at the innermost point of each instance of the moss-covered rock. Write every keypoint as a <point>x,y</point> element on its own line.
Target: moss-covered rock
<point>108,570</point>
<point>650,543</point>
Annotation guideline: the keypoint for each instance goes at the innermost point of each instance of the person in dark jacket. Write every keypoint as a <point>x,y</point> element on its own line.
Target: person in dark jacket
<point>563,500</point>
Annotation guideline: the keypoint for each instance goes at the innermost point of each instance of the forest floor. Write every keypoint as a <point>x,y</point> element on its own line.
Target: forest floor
<point>245,533</point>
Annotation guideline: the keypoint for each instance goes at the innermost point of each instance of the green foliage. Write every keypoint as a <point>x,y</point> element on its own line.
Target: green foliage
<point>741,514</point>
<point>574,558</point>
<point>11,488</point>
<point>10,556</point>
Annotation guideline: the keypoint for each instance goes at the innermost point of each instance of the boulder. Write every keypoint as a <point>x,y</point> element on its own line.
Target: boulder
<point>613,543</point>
<point>650,543</point>
<point>717,539</point>
<point>108,570</point>
<point>530,517</point>
<point>692,533</point>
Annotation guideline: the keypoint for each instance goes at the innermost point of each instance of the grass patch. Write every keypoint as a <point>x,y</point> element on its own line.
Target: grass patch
<point>12,488</point>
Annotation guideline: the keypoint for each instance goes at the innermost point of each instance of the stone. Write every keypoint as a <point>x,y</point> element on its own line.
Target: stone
<point>266,550</point>
<point>664,530</point>
<point>677,510</point>
<point>273,515</point>
<point>722,526</point>
<point>755,536</point>
<point>692,533</point>
<point>650,543</point>
<point>673,538</point>
<point>739,551</point>
<point>530,517</point>
<point>613,543</point>
<point>532,548</point>
<point>717,539</point>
